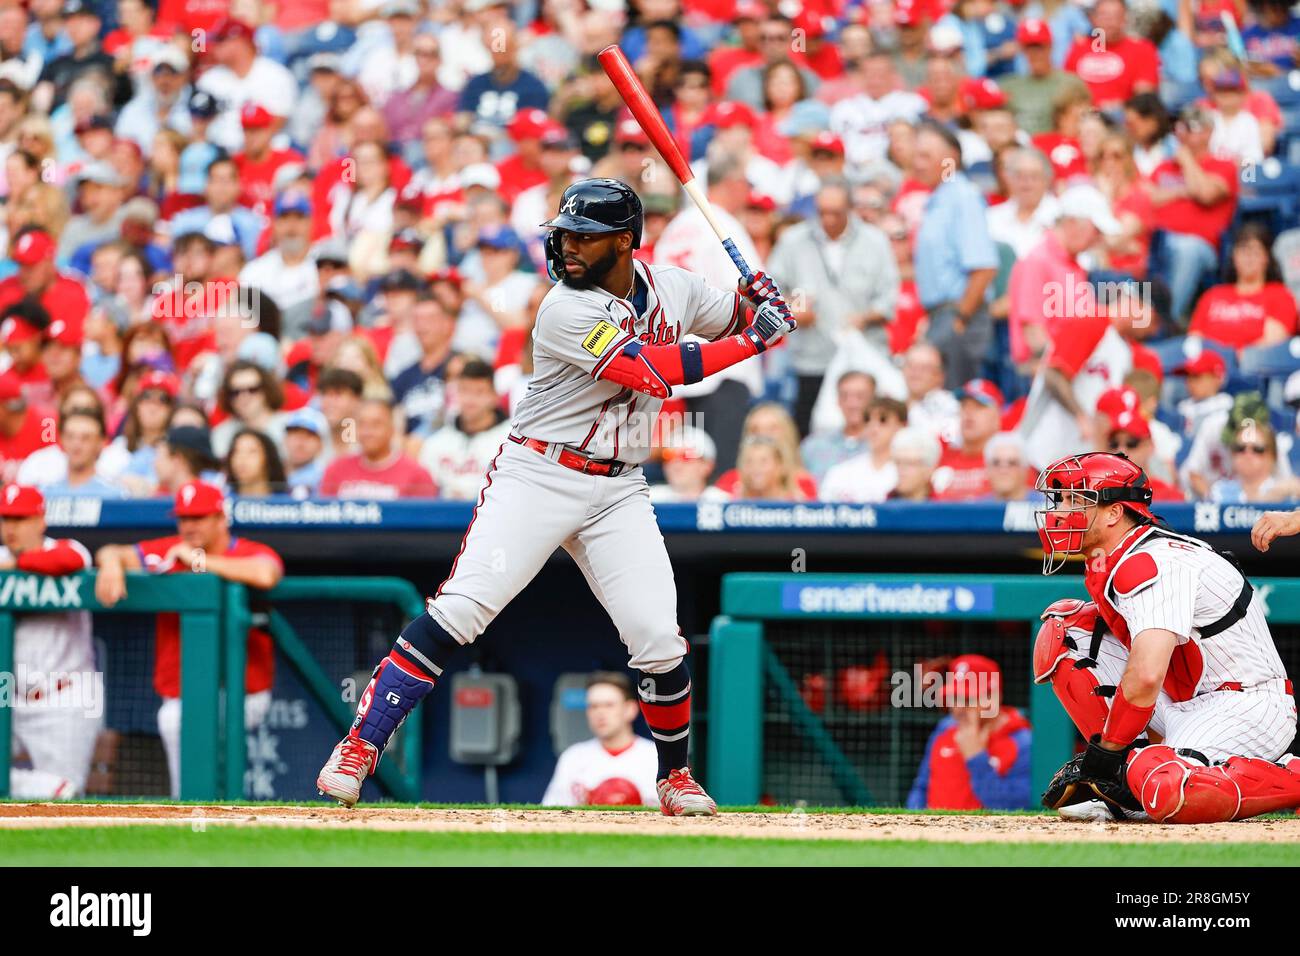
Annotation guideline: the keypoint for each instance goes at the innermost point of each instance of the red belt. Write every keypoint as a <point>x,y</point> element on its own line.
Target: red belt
<point>609,468</point>
<point>1236,685</point>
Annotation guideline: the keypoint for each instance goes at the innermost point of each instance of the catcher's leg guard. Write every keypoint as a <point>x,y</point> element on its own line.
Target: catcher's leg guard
<point>1176,786</point>
<point>1059,658</point>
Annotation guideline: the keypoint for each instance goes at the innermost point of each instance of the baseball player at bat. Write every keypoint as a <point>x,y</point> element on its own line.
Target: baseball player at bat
<point>1170,671</point>
<point>607,351</point>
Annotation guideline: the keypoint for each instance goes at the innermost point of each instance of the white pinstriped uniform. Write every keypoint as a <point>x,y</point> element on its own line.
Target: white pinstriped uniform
<point>1193,587</point>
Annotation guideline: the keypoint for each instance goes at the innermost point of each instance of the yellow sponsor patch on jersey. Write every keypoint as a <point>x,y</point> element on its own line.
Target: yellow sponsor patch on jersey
<point>600,338</point>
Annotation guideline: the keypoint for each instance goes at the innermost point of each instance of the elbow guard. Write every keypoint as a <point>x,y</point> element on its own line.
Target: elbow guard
<point>633,370</point>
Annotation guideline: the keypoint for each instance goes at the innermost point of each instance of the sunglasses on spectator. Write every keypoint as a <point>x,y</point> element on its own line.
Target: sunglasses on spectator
<point>1241,448</point>
<point>1006,463</point>
<point>246,390</point>
<point>155,395</point>
<point>1127,444</point>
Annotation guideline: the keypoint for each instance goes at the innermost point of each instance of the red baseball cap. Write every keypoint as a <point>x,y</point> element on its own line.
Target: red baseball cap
<point>828,141</point>
<point>1034,32</point>
<point>255,116</point>
<point>971,680</point>
<point>450,274</point>
<point>160,381</point>
<point>14,330</point>
<point>33,247</point>
<point>750,10</point>
<point>906,15</point>
<point>984,94</point>
<point>1209,362</point>
<point>197,499</point>
<point>628,130</point>
<point>757,200</point>
<point>1115,401</point>
<point>727,114</point>
<point>228,28</point>
<point>1131,421</point>
<point>984,392</point>
<point>529,124</point>
<point>812,25</point>
<point>65,332</point>
<point>21,501</point>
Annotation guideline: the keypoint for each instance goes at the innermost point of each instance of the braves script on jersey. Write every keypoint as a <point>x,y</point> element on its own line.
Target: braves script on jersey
<point>579,332</point>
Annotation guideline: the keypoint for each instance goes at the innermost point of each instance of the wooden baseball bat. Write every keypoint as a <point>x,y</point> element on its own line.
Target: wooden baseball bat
<point>634,94</point>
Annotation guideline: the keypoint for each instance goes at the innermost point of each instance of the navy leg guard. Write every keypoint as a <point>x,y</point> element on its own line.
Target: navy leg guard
<point>402,680</point>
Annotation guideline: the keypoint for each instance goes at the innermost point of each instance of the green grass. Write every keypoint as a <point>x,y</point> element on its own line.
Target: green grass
<point>241,846</point>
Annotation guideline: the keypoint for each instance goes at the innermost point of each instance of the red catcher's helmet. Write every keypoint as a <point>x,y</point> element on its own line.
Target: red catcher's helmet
<point>614,792</point>
<point>1077,483</point>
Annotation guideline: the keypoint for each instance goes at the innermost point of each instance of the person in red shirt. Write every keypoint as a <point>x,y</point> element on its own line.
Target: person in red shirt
<point>61,356</point>
<point>1253,307</point>
<point>203,545</point>
<point>22,330</point>
<point>259,162</point>
<point>377,471</point>
<point>524,170</point>
<point>726,60</point>
<point>23,428</point>
<point>979,755</point>
<point>1061,146</point>
<point>1111,63</point>
<point>1195,197</point>
<point>962,473</point>
<point>39,278</point>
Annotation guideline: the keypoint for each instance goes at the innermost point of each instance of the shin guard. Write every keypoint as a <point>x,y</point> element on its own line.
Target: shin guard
<point>1177,786</point>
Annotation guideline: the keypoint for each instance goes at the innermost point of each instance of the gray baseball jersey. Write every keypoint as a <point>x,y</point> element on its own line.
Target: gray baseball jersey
<point>579,332</point>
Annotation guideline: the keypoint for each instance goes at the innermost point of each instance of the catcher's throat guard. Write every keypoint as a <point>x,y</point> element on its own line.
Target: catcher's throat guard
<point>1074,488</point>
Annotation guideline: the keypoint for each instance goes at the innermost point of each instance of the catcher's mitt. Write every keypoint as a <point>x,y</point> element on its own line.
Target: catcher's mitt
<point>1074,784</point>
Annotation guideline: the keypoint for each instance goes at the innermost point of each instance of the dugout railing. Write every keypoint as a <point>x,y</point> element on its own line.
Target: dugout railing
<point>214,618</point>
<point>812,678</point>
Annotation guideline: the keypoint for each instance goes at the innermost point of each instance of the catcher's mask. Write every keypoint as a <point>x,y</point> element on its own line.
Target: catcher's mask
<point>1074,487</point>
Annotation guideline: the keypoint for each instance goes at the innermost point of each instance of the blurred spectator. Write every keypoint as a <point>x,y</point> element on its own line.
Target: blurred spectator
<point>457,456</point>
<point>221,194</point>
<point>1195,197</point>
<point>358,354</point>
<point>185,456</point>
<point>776,38</point>
<point>161,100</point>
<point>615,766</point>
<point>1030,210</point>
<point>340,399</point>
<point>915,455</point>
<point>688,460</point>
<point>1253,307</point>
<point>261,162</point>
<point>378,470</point>
<point>822,450</point>
<point>494,97</point>
<point>1032,93</point>
<point>955,258</point>
<point>930,407</point>
<point>53,654</point>
<point>204,544</point>
<point>834,300</point>
<point>144,430</point>
<point>911,24</point>
<point>49,465</point>
<point>771,420</point>
<point>1205,396</point>
<point>305,452</point>
<point>23,429</point>
<point>62,295</point>
<point>81,436</point>
<point>22,332</point>
<point>1113,63</point>
<point>871,475</point>
<point>1130,434</point>
<point>1236,134</point>
<point>1148,124</point>
<point>765,473</point>
<point>392,65</point>
<point>81,25</point>
<point>252,398</point>
<point>286,272</point>
<point>1009,474</point>
<point>963,473</point>
<point>61,357</point>
<point>1212,457</point>
<point>241,75</point>
<point>496,302</point>
<point>1116,177</point>
<point>1254,469</point>
<point>1167,442</point>
<point>979,755</point>
<point>420,389</point>
<point>411,106</point>
<point>1274,35</point>
<point>253,467</point>
<point>862,120</point>
<point>1048,286</point>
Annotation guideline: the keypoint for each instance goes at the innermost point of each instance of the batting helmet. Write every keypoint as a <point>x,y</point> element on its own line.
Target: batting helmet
<point>593,206</point>
<point>1077,483</point>
<point>614,792</point>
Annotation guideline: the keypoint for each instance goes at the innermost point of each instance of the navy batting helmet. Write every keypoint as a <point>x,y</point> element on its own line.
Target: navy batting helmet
<point>593,206</point>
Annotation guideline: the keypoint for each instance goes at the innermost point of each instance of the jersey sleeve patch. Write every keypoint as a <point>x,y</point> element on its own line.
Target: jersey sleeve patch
<point>1134,574</point>
<point>599,339</point>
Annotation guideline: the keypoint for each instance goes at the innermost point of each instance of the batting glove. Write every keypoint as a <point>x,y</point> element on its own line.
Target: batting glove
<point>772,323</point>
<point>759,288</point>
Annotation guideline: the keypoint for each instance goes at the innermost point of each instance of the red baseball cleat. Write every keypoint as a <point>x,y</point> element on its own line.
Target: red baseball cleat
<point>351,762</point>
<point>681,796</point>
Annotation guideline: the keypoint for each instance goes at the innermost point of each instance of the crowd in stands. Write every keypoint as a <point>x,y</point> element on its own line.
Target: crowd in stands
<point>293,248</point>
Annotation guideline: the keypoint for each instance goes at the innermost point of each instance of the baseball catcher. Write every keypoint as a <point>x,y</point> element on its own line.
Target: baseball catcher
<point>1170,671</point>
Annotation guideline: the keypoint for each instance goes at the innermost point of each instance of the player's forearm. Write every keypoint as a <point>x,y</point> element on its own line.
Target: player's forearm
<point>1059,387</point>
<point>655,369</point>
<point>61,559</point>
<point>255,572</point>
<point>117,557</point>
<point>1148,663</point>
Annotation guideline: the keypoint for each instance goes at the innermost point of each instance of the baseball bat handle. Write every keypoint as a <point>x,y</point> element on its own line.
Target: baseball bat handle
<point>692,188</point>
<point>737,258</point>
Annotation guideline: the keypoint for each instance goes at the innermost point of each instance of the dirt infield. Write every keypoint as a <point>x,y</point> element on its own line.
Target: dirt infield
<point>789,825</point>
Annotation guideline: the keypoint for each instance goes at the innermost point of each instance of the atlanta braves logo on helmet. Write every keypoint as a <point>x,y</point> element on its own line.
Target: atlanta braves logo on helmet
<point>570,208</point>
